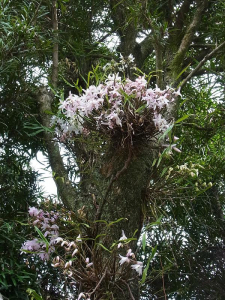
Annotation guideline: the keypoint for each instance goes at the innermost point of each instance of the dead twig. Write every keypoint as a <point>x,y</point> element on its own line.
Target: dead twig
<point>99,282</point>
<point>131,295</point>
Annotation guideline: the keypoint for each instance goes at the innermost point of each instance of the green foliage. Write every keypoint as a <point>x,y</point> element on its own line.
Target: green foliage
<point>183,250</point>
<point>14,275</point>
<point>18,191</point>
<point>191,201</point>
<point>34,295</point>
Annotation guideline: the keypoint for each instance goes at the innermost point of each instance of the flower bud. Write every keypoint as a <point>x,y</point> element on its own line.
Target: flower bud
<point>68,264</point>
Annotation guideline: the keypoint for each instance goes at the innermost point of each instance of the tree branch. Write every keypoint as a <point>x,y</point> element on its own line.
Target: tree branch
<point>64,187</point>
<point>45,98</point>
<point>199,56</point>
<point>188,37</point>
<point>101,40</point>
<point>55,56</point>
<point>182,13</point>
<point>200,72</point>
<point>207,57</point>
<point>202,45</point>
<point>126,29</point>
<point>157,38</point>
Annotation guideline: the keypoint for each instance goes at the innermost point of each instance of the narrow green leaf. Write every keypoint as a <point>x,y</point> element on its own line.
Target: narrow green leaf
<point>159,161</point>
<point>144,275</point>
<point>134,233</point>
<point>185,100</point>
<point>148,264</point>
<point>89,76</point>
<point>35,132</point>
<point>154,162</point>
<point>183,71</point>
<point>101,221</point>
<point>69,84</point>
<point>42,237</point>
<point>162,155</point>
<point>163,171</point>
<point>103,247</point>
<point>166,132</point>
<point>153,253</point>
<point>48,112</point>
<point>99,235</point>
<point>182,119</point>
<point>144,241</point>
<point>14,281</point>
<point>140,109</point>
<point>157,222</point>
<point>114,222</point>
<point>86,225</point>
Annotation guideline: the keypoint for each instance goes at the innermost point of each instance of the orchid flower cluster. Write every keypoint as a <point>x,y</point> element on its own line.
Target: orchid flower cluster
<point>76,260</point>
<point>46,222</point>
<point>188,170</point>
<point>116,107</point>
<point>130,257</point>
<point>122,65</point>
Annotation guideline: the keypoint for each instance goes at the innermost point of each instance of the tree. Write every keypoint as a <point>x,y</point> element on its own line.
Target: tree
<point>117,178</point>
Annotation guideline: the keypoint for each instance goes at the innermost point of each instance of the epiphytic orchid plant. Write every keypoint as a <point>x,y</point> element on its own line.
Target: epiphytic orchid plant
<point>118,108</point>
<point>77,261</point>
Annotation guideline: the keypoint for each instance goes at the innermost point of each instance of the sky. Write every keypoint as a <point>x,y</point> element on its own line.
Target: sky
<point>47,183</point>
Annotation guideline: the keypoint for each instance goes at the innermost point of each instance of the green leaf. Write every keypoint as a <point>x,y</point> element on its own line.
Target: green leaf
<point>135,233</point>
<point>35,132</point>
<point>14,281</point>
<point>86,225</point>
<point>69,84</point>
<point>23,224</point>
<point>166,132</point>
<point>141,108</point>
<point>42,237</point>
<point>33,294</point>
<point>144,275</point>
<point>114,222</point>
<point>154,162</point>
<point>99,235</point>
<point>163,171</point>
<point>183,71</point>
<point>182,119</point>
<point>153,253</point>
<point>148,264</point>
<point>157,222</point>
<point>90,74</point>
<point>4,283</point>
<point>101,221</point>
<point>144,241</point>
<point>162,155</point>
<point>103,247</point>
<point>48,112</point>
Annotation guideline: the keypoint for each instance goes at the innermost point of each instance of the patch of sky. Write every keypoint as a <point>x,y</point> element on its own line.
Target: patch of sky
<point>46,182</point>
